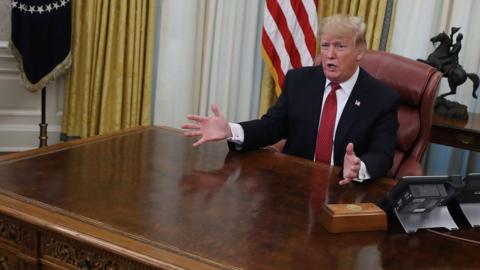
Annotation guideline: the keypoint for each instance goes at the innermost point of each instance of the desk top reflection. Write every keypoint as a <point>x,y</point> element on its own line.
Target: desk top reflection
<point>222,209</point>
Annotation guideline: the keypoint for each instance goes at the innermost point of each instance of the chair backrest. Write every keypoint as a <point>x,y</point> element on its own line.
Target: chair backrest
<point>417,83</point>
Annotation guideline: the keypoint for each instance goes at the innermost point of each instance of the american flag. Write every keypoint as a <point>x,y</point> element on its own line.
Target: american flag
<point>288,36</point>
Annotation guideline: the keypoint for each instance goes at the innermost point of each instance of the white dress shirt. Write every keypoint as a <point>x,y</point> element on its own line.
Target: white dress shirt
<point>342,94</point>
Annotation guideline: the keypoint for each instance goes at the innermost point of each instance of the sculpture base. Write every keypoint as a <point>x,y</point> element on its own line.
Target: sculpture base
<point>450,109</point>
<point>336,218</point>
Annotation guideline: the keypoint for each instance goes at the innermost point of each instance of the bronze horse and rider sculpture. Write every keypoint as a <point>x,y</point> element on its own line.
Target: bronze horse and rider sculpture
<point>445,59</point>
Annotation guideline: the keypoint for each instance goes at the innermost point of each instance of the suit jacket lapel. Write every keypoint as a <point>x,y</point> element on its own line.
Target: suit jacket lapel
<point>350,113</point>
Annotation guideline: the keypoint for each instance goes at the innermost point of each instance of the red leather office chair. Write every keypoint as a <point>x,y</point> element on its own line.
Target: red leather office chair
<point>417,83</point>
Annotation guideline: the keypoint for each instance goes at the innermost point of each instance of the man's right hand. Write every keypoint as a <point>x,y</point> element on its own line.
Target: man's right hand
<point>212,128</point>
<point>351,165</point>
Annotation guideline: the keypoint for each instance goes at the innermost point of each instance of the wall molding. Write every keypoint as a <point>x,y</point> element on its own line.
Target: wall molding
<point>15,149</point>
<point>34,128</point>
<point>20,113</point>
<point>9,70</point>
<point>24,137</point>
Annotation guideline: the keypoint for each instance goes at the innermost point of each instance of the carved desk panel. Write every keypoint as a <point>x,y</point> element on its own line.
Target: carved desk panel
<point>18,244</point>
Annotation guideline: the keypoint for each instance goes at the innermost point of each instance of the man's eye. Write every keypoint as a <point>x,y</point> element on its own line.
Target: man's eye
<point>340,46</point>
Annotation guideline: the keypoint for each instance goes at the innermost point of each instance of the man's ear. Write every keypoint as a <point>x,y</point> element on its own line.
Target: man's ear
<point>361,53</point>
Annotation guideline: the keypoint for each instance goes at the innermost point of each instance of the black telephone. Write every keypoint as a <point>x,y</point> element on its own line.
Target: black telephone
<point>419,194</point>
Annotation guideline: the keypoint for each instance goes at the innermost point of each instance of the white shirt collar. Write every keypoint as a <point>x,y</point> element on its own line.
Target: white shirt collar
<point>347,85</point>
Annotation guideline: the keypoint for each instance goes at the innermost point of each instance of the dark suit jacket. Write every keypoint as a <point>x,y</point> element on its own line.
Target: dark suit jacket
<point>369,120</point>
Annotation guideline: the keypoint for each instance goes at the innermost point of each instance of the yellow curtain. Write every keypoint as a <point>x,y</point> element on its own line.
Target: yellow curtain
<point>109,85</point>
<point>372,11</point>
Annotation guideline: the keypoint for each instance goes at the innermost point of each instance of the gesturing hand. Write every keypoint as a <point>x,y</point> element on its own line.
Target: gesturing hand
<point>351,165</point>
<point>212,128</point>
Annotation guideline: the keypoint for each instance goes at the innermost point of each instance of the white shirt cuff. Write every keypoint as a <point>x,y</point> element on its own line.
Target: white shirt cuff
<point>363,173</point>
<point>238,135</point>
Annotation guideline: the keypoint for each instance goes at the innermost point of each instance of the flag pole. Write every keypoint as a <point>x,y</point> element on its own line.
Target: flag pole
<point>43,125</point>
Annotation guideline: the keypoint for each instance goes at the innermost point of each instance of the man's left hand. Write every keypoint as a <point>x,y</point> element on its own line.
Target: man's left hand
<point>351,165</point>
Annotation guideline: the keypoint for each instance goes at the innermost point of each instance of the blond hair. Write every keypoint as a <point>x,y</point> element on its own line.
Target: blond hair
<point>344,25</point>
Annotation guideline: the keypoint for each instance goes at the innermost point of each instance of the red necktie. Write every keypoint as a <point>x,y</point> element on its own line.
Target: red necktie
<point>323,149</point>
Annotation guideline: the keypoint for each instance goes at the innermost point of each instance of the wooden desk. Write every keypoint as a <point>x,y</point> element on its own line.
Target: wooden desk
<point>145,199</point>
<point>457,133</point>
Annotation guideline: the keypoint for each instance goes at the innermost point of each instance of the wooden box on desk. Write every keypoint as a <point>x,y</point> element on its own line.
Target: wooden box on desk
<point>336,218</point>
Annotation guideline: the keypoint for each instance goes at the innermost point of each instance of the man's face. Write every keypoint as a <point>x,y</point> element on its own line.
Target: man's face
<point>339,56</point>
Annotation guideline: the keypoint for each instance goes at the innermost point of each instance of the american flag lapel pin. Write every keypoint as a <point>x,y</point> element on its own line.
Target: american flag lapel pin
<point>357,103</point>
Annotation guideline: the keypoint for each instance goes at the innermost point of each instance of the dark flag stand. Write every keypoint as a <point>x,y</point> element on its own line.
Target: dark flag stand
<point>40,41</point>
<point>43,125</point>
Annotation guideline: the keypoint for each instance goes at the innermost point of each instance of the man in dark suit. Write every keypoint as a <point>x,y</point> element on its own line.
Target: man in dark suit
<point>324,112</point>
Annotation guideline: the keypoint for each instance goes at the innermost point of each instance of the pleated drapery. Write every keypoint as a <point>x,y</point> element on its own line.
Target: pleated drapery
<point>109,85</point>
